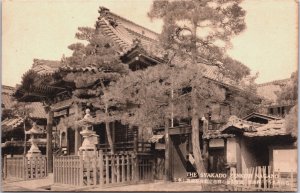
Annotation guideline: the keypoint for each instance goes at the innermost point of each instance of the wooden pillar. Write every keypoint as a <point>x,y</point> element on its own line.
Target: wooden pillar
<point>205,153</point>
<point>205,143</point>
<point>113,135</point>
<point>167,152</point>
<point>238,156</point>
<point>77,134</point>
<point>49,152</point>
<point>135,142</point>
<point>5,167</point>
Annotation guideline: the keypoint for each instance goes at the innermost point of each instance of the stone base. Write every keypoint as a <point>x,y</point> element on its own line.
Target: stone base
<point>87,152</point>
<point>33,154</point>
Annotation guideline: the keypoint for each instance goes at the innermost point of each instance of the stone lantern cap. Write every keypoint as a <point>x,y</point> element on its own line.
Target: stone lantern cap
<point>34,130</point>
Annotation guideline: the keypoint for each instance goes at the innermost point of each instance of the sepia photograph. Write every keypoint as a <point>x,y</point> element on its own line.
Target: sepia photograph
<point>149,95</point>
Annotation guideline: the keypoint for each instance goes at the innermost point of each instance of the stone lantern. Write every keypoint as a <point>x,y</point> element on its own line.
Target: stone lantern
<point>33,132</point>
<point>90,138</point>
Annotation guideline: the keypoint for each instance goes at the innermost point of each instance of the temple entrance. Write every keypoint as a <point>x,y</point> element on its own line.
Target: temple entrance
<point>216,160</point>
<point>178,154</point>
<point>71,141</point>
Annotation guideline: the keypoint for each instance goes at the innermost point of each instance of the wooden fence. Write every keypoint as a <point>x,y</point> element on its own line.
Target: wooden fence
<point>263,178</point>
<point>24,168</point>
<point>102,169</point>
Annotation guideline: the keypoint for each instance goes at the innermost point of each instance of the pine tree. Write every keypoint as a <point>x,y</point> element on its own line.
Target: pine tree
<point>206,28</point>
<point>102,55</point>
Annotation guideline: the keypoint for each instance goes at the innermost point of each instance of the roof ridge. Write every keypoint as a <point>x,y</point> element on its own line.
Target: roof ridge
<point>274,82</point>
<point>8,87</point>
<point>120,17</point>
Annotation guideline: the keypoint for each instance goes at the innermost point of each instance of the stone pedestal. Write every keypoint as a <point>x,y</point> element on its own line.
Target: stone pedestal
<point>34,151</point>
<point>90,139</point>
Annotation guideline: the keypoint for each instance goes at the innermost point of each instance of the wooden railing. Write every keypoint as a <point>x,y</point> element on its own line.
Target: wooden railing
<point>25,168</point>
<point>263,178</point>
<point>102,169</point>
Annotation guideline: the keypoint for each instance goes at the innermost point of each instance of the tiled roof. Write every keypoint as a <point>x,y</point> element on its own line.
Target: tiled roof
<point>62,104</point>
<point>37,109</point>
<point>7,101</point>
<point>273,128</point>
<point>216,134</point>
<point>9,124</point>
<point>268,117</point>
<point>239,124</point>
<point>126,32</point>
<point>7,89</point>
<point>68,68</point>
<point>251,129</point>
<point>123,31</point>
<point>45,67</point>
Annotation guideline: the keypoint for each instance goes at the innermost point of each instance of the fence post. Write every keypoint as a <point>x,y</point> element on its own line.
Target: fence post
<point>123,168</point>
<point>118,169</point>
<point>113,171</point>
<point>5,166</point>
<point>152,169</point>
<point>107,169</point>
<point>87,160</point>
<point>135,168</point>
<point>95,170</point>
<point>101,167</point>
<point>80,168</point>
<point>128,168</point>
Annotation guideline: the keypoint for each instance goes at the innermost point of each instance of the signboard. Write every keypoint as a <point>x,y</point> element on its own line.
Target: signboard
<point>231,150</point>
<point>216,143</point>
<point>285,160</point>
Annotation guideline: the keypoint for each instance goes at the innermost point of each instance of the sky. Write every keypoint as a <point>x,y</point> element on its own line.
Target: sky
<point>44,29</point>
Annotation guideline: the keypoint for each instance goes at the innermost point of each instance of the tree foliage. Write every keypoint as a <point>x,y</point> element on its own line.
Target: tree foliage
<point>201,31</point>
<point>289,93</point>
<point>101,54</point>
<point>209,26</point>
<point>291,121</point>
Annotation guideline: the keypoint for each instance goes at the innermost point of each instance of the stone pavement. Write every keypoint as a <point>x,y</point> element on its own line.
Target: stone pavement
<point>156,186</point>
<point>29,185</point>
<point>46,183</point>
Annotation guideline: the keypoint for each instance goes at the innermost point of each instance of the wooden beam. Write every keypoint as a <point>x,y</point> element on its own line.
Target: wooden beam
<point>180,130</point>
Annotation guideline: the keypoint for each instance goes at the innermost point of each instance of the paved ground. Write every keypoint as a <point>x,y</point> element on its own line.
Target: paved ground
<point>158,186</point>
<point>29,185</point>
<point>44,184</point>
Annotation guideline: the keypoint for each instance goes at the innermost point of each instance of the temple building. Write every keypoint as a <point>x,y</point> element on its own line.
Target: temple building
<point>46,83</point>
<point>15,123</point>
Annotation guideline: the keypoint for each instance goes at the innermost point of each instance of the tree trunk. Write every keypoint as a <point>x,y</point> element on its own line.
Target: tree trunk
<point>196,143</point>
<point>25,137</point>
<point>108,133</point>
<point>195,116</point>
<point>168,176</point>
